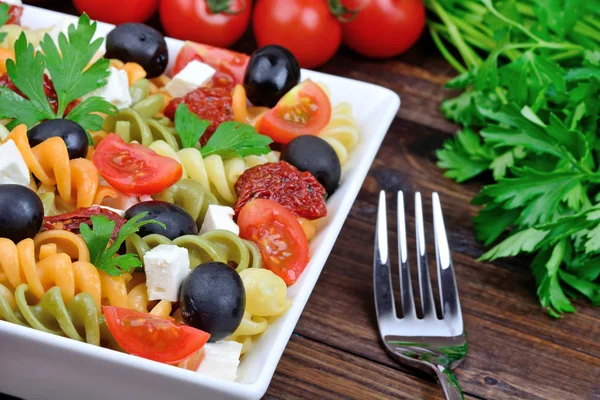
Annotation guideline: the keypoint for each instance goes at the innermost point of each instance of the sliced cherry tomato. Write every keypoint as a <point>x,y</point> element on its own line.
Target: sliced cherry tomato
<point>305,27</point>
<point>279,236</point>
<point>71,221</point>
<point>304,110</point>
<point>230,66</point>
<point>218,23</point>
<point>117,11</point>
<point>155,338</point>
<point>383,28</point>
<point>134,169</point>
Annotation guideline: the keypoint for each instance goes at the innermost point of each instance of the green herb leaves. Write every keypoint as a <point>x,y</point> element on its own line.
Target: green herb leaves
<point>102,255</point>
<point>71,74</point>
<point>189,126</point>
<point>4,17</point>
<point>231,139</point>
<point>530,114</point>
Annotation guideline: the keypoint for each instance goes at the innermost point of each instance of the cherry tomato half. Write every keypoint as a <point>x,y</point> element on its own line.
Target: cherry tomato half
<point>117,11</point>
<point>384,28</point>
<point>230,65</point>
<point>194,20</point>
<point>304,110</point>
<point>305,27</point>
<point>134,169</point>
<point>155,338</point>
<point>279,236</point>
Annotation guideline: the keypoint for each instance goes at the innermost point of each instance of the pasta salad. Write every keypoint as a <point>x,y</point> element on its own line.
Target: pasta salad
<point>160,215</point>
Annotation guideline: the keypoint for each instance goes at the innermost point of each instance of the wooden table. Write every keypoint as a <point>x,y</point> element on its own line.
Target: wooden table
<point>516,351</point>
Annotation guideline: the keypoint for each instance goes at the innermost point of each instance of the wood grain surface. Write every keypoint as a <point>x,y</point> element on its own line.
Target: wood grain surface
<point>516,351</point>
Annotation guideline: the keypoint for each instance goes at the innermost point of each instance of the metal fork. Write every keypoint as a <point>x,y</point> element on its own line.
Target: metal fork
<point>429,343</point>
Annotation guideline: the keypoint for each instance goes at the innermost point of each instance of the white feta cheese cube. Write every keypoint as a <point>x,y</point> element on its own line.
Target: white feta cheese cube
<point>12,166</point>
<point>219,218</point>
<point>192,76</point>
<point>166,266</point>
<point>221,360</point>
<point>116,90</point>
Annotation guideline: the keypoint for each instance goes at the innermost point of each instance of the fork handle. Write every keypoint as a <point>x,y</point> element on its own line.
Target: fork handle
<point>449,383</point>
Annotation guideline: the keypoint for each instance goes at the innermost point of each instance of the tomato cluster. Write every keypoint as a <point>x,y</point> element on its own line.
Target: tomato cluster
<point>312,30</point>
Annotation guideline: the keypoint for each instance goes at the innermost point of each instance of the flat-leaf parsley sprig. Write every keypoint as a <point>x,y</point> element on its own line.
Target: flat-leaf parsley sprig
<point>4,17</point>
<point>73,75</point>
<point>101,254</point>
<point>231,139</point>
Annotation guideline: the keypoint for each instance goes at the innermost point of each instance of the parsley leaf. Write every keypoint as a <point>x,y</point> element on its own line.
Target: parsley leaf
<point>529,112</point>
<point>4,17</point>
<point>231,139</point>
<point>102,255</point>
<point>70,71</point>
<point>27,73</point>
<point>68,63</point>
<point>190,127</point>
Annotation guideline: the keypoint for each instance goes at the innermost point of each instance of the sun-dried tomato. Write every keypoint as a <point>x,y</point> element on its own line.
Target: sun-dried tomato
<point>209,103</point>
<point>48,91</point>
<point>71,221</point>
<point>299,192</point>
<point>15,13</point>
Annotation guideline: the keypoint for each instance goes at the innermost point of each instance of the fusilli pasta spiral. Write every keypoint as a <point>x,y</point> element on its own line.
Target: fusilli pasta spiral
<point>342,131</point>
<point>266,298</point>
<point>191,196</point>
<point>222,246</point>
<point>76,180</point>
<point>137,123</point>
<point>214,173</point>
<point>77,319</point>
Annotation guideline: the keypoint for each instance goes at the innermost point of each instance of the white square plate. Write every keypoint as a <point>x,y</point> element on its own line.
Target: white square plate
<point>37,365</point>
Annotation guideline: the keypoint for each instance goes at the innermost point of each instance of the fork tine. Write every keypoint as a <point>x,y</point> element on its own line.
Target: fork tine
<point>408,302</point>
<point>450,303</point>
<point>424,279</point>
<point>382,277</point>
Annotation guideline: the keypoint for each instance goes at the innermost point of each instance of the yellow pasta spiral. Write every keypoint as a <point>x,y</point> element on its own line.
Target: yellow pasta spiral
<point>46,262</point>
<point>342,131</point>
<point>266,298</point>
<point>76,180</point>
<point>217,175</point>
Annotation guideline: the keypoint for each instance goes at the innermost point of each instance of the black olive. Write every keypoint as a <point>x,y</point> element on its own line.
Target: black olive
<point>315,155</point>
<point>71,132</point>
<point>213,299</point>
<point>177,221</point>
<point>21,212</point>
<point>271,73</point>
<point>139,43</point>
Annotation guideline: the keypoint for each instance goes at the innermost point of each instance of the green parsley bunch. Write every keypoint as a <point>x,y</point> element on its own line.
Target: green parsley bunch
<point>529,111</point>
<point>69,65</point>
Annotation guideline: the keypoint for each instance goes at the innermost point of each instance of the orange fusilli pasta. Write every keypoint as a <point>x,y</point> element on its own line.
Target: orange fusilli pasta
<point>76,180</point>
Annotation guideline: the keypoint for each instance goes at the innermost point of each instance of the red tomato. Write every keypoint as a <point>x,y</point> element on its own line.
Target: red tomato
<point>153,337</point>
<point>230,65</point>
<point>194,20</point>
<point>304,110</point>
<point>14,13</point>
<point>305,27</point>
<point>279,236</point>
<point>385,28</point>
<point>118,11</point>
<point>134,169</point>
